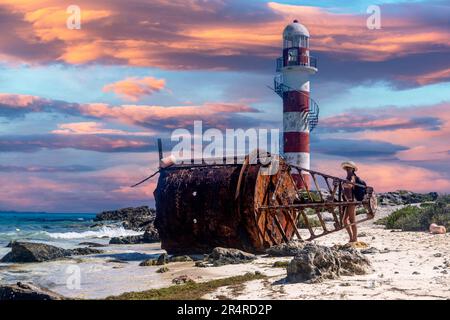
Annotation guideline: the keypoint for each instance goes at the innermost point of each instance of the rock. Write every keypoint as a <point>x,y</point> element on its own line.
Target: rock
<point>9,245</point>
<point>162,270</point>
<point>151,234</point>
<point>116,261</point>
<point>84,251</point>
<point>416,273</point>
<point>182,279</point>
<point>315,263</point>
<point>286,249</point>
<point>96,225</point>
<point>280,264</point>
<point>92,244</point>
<point>223,256</point>
<point>23,252</point>
<point>202,264</point>
<point>371,250</point>
<point>162,259</point>
<point>139,218</point>
<point>127,240</point>
<point>180,259</point>
<point>401,197</point>
<point>34,252</point>
<point>148,263</point>
<point>437,255</point>
<point>436,229</point>
<point>27,291</point>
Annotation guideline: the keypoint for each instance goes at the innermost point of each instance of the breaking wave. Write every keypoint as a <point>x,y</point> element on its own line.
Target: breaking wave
<point>103,232</point>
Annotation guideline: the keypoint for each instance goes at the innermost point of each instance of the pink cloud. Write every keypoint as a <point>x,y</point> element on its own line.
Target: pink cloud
<point>424,130</point>
<point>75,192</point>
<point>390,176</point>
<point>219,114</point>
<point>133,88</point>
<point>94,128</point>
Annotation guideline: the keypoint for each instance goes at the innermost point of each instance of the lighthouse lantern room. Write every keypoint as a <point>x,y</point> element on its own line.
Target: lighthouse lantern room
<point>300,112</point>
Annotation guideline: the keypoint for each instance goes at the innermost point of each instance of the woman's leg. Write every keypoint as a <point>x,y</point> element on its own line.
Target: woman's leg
<point>346,222</point>
<point>352,217</point>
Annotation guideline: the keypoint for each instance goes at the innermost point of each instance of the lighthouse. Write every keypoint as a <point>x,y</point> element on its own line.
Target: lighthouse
<point>300,112</point>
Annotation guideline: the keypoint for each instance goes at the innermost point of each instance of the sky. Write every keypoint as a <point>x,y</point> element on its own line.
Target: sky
<point>81,109</point>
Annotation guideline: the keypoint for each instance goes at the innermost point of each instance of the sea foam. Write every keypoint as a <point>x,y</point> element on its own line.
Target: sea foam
<point>104,232</point>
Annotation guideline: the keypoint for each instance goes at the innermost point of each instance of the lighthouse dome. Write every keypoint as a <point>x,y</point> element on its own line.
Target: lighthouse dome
<point>295,29</point>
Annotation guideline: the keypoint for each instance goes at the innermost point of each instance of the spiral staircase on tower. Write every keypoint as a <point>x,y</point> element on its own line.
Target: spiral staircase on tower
<point>313,113</point>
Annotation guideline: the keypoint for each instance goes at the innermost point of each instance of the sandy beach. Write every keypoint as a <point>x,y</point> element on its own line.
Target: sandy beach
<point>406,265</point>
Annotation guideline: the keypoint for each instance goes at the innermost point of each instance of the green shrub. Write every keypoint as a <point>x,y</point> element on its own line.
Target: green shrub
<point>413,218</point>
<point>391,221</point>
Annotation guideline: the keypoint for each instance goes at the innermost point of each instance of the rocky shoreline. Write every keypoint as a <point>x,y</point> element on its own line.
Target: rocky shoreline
<point>137,219</point>
<point>402,197</point>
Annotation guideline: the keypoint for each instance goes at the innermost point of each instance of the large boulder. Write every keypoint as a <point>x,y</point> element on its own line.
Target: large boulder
<point>23,252</point>
<point>316,263</point>
<point>132,218</point>
<point>288,249</point>
<point>27,291</point>
<point>223,256</point>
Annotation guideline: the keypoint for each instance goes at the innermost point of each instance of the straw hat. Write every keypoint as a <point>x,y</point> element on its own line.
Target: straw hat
<point>349,164</point>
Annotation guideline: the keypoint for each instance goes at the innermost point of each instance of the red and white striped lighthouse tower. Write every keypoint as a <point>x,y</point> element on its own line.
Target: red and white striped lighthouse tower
<point>300,112</point>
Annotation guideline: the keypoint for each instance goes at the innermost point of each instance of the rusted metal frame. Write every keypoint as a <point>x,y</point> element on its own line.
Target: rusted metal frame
<point>322,222</point>
<point>292,220</point>
<point>287,213</point>
<point>338,229</point>
<point>330,190</point>
<point>326,175</point>
<point>287,171</point>
<point>317,186</point>
<point>314,204</point>
<point>265,200</point>
<point>305,219</point>
<point>335,218</point>
<point>280,180</point>
<point>280,227</point>
<point>269,233</point>
<point>306,186</point>
<point>260,232</point>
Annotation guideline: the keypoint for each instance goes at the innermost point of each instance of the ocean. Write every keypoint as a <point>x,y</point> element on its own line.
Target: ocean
<point>114,271</point>
<point>63,228</point>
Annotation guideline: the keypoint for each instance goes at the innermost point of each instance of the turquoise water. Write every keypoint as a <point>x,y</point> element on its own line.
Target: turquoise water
<point>55,227</point>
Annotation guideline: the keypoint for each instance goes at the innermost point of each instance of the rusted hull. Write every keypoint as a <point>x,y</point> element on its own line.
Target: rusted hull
<point>199,208</point>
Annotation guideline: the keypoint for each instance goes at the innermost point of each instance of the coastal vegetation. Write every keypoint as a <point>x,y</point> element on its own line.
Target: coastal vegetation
<point>188,291</point>
<point>419,218</point>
